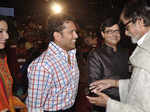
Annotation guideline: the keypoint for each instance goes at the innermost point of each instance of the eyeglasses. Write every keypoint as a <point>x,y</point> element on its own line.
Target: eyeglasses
<point>126,25</point>
<point>112,31</point>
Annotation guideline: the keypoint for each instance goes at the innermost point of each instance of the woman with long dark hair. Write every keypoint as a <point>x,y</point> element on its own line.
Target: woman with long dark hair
<point>8,102</point>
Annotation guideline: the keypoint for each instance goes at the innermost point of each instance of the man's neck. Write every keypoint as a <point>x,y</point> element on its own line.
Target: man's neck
<point>114,47</point>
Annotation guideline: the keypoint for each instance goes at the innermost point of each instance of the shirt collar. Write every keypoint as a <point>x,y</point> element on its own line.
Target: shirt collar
<point>140,41</point>
<point>59,51</point>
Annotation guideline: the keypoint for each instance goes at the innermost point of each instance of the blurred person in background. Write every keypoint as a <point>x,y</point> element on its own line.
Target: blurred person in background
<point>8,102</point>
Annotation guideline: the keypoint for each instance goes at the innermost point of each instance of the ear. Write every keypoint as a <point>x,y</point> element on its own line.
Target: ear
<point>102,33</point>
<point>57,36</point>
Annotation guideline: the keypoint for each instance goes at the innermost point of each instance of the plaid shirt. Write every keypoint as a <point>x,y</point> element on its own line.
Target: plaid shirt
<point>53,83</point>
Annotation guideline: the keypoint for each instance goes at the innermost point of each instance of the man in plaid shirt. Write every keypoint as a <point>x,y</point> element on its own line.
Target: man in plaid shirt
<point>54,76</point>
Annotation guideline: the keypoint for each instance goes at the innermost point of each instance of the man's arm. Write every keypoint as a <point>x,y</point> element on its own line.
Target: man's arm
<point>39,79</point>
<point>95,68</point>
<point>104,84</point>
<point>116,106</point>
<point>136,99</point>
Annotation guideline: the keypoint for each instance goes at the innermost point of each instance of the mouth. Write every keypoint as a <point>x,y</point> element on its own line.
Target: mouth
<point>74,41</point>
<point>2,42</point>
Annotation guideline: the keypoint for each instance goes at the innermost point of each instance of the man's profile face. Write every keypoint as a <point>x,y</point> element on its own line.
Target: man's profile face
<point>68,36</point>
<point>111,35</point>
<point>132,30</point>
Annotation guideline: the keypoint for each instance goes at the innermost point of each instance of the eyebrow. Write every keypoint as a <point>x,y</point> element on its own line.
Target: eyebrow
<point>112,29</point>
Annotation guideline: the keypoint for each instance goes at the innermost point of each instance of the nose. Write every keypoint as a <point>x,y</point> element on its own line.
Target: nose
<point>5,34</point>
<point>126,33</point>
<point>116,33</point>
<point>75,34</point>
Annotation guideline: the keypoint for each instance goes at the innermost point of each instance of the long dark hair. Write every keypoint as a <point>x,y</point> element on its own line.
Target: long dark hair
<point>2,51</point>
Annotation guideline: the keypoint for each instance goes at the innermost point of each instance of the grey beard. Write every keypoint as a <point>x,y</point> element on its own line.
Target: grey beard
<point>134,40</point>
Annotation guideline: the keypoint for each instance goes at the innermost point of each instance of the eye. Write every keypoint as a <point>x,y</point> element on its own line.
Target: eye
<point>2,31</point>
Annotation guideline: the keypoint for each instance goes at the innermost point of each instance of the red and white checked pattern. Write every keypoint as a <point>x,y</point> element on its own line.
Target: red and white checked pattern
<point>53,83</point>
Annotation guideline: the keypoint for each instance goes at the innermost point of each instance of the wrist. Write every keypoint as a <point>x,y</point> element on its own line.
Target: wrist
<point>116,83</point>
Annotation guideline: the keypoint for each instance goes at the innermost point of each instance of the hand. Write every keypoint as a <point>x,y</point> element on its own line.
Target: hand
<point>103,84</point>
<point>101,100</point>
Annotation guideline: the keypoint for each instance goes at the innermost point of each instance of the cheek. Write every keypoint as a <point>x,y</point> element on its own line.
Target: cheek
<point>118,38</point>
<point>134,30</point>
<point>1,36</point>
<point>130,32</point>
<point>108,40</point>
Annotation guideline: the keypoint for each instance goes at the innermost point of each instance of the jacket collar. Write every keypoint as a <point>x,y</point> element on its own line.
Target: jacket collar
<point>110,49</point>
<point>140,56</point>
<point>146,41</point>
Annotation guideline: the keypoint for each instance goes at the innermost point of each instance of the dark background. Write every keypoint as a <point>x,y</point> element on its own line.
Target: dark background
<point>89,13</point>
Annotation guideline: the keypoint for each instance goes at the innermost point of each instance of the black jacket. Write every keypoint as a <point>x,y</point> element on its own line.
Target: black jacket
<point>104,63</point>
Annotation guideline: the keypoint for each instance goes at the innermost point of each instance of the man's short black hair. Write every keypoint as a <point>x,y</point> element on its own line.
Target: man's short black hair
<point>56,23</point>
<point>109,22</point>
<point>136,11</point>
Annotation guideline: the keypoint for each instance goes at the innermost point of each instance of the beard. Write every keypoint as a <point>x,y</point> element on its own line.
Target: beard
<point>134,39</point>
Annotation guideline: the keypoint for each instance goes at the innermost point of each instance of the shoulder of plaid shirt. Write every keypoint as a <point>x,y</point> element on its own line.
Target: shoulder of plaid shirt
<point>53,83</point>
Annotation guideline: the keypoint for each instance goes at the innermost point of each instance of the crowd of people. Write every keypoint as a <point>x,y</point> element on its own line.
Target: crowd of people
<point>45,69</point>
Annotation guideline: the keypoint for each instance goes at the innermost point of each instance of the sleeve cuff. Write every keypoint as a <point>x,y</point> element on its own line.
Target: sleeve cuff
<point>35,109</point>
<point>123,89</point>
<point>112,105</point>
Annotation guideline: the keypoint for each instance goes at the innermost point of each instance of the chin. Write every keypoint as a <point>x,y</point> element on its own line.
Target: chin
<point>115,43</point>
<point>72,48</point>
<point>134,40</point>
<point>2,47</point>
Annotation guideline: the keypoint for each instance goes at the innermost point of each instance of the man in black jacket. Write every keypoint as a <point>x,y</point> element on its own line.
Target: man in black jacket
<point>110,61</point>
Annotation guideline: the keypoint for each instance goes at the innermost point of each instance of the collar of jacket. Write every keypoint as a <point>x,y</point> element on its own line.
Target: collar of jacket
<point>140,56</point>
<point>110,49</point>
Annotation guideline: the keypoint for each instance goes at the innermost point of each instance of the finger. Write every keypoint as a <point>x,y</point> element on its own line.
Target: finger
<point>100,87</point>
<point>95,83</point>
<point>92,99</point>
<point>97,88</point>
<point>92,87</point>
<point>98,93</point>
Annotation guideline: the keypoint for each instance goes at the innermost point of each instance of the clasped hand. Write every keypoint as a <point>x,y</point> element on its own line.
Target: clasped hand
<point>96,87</point>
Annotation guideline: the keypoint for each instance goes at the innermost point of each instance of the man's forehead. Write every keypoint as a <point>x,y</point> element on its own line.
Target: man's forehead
<point>116,26</point>
<point>69,24</point>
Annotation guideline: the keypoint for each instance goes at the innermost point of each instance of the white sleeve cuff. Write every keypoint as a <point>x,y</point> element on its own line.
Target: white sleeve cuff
<point>123,89</point>
<point>35,109</point>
